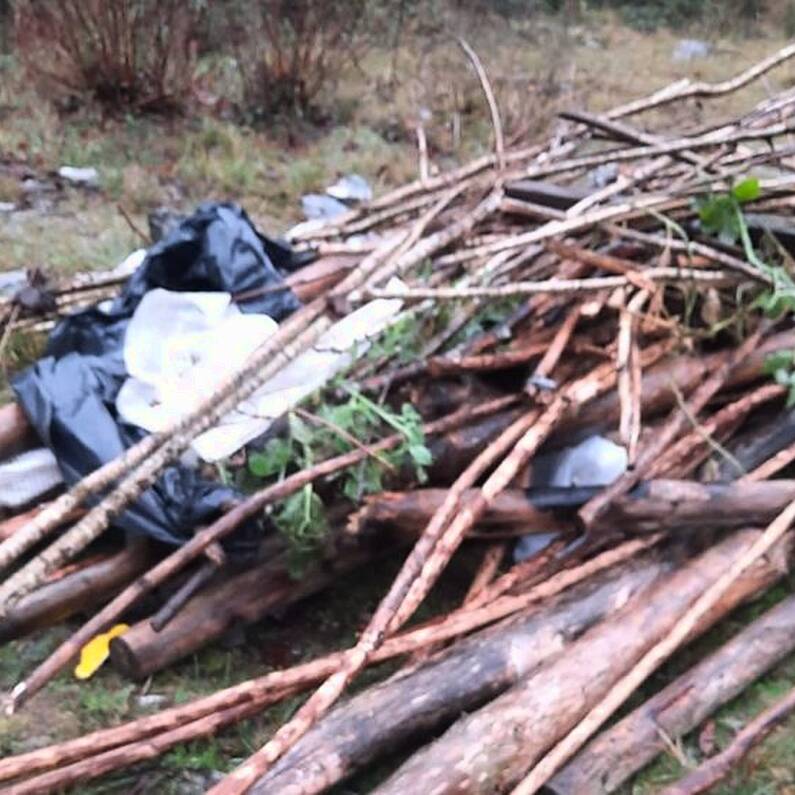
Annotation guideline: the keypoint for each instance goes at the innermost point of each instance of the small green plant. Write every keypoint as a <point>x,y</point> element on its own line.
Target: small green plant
<point>723,217</point>
<point>400,341</point>
<point>780,366</point>
<point>332,430</point>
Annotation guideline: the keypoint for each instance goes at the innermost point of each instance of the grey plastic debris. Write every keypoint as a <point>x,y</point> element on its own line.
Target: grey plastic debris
<point>595,461</point>
<point>351,188</point>
<point>28,476</point>
<point>316,206</point>
<point>527,546</point>
<point>603,175</point>
<point>12,281</point>
<point>542,382</point>
<point>87,177</point>
<point>688,49</point>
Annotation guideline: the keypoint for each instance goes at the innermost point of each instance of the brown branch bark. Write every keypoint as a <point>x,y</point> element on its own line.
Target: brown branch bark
<point>714,770</point>
<point>468,675</point>
<point>489,750</point>
<point>181,557</point>
<point>678,420</point>
<point>606,763</point>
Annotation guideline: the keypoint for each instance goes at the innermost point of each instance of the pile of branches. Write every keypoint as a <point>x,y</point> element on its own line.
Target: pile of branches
<point>655,307</point>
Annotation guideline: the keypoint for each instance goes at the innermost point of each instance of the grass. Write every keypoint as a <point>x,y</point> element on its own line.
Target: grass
<point>536,67</point>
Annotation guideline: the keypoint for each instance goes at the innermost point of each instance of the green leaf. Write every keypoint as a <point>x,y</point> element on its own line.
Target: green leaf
<point>780,360</point>
<point>421,455</point>
<point>747,191</point>
<point>276,456</point>
<point>300,431</point>
<point>791,397</point>
<point>719,217</point>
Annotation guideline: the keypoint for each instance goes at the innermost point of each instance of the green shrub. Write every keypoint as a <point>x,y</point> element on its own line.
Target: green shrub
<point>125,54</point>
<point>290,53</point>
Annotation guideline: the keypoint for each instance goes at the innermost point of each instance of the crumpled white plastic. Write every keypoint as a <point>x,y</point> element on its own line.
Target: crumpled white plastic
<point>27,476</point>
<point>180,346</point>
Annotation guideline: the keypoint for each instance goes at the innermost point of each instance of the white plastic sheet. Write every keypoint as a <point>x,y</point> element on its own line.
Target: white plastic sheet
<point>27,476</point>
<point>180,346</point>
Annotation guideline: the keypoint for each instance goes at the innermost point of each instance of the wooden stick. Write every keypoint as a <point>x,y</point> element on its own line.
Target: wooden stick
<point>77,591</point>
<point>355,659</point>
<point>268,688</point>
<point>494,110</point>
<point>713,770</point>
<point>488,751</point>
<point>679,459</point>
<point>181,557</point>
<point>773,465</point>
<point>550,286</point>
<point>685,89</point>
<point>608,761</point>
<point>655,656</point>
<point>590,512</point>
<point>418,703</point>
<point>183,595</point>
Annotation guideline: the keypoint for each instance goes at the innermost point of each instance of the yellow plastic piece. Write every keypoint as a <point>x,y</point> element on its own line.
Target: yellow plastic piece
<point>96,651</point>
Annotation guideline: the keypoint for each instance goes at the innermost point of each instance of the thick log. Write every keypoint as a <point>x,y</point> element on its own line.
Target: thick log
<point>410,511</point>
<point>617,754</point>
<point>653,506</point>
<point>240,599</point>
<point>455,450</point>
<point>383,718</point>
<point>685,372</point>
<point>80,590</point>
<point>490,750</point>
<point>686,505</point>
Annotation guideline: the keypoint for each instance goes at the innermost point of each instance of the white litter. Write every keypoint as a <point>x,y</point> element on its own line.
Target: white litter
<point>595,461</point>
<point>317,206</point>
<point>28,476</point>
<point>351,188</point>
<point>130,263</point>
<point>180,346</point>
<point>87,177</point>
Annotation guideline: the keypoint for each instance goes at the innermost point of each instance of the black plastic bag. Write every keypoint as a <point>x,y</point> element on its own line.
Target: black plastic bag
<point>69,395</point>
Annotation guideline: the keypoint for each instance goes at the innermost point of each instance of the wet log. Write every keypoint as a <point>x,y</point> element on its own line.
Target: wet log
<point>653,506</point>
<point>411,705</point>
<point>759,443</point>
<point>617,754</point>
<point>455,450</point>
<point>410,511</point>
<point>240,599</point>
<point>685,372</point>
<point>490,750</point>
<point>80,590</point>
